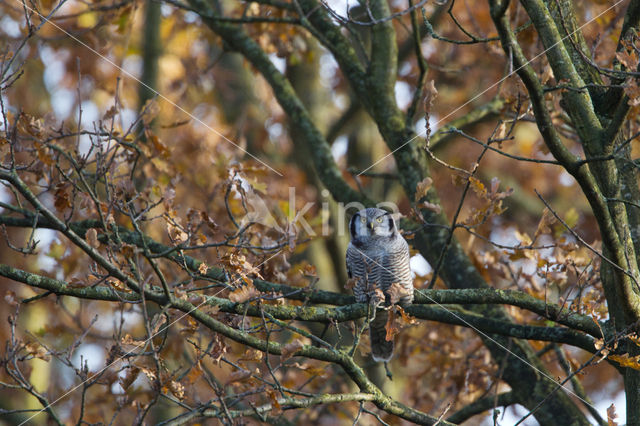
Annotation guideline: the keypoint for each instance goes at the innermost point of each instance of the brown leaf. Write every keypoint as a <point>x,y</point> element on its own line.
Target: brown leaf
<point>176,233</point>
<point>150,374</point>
<point>422,188</point>
<point>406,318</point>
<point>276,409</point>
<point>92,238</point>
<point>111,112</point>
<point>309,271</point>
<point>546,220</point>
<point>430,94</point>
<point>176,389</point>
<point>632,90</point>
<point>391,328</point>
<point>38,351</point>
<point>396,292</point>
<point>244,293</point>
<point>10,298</point>
<point>129,378</point>
<point>210,223</point>
<point>611,415</point>
<point>351,283</point>
<point>627,58</point>
<point>238,376</point>
<point>290,349</point>
<point>61,198</point>
<point>433,207</point>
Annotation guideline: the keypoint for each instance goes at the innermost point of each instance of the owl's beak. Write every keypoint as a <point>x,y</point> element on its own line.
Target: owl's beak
<point>370,225</point>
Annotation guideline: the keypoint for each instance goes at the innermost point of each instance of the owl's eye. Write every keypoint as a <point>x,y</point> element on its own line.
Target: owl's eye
<point>379,220</point>
<point>363,219</point>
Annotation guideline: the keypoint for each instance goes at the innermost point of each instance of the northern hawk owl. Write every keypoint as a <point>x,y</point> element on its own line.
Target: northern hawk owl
<point>377,258</point>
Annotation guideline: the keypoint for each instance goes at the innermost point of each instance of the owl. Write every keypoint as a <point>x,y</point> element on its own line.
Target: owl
<point>377,258</point>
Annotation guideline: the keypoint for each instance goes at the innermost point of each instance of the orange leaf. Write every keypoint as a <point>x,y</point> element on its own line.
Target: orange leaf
<point>391,328</point>
<point>627,361</point>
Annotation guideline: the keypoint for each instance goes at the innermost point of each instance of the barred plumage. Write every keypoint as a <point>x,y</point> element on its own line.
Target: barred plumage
<point>377,257</point>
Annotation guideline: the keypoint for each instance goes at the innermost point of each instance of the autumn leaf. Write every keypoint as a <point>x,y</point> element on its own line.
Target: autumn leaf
<point>406,318</point>
<point>276,409</point>
<point>61,197</point>
<point>611,415</point>
<point>396,292</point>
<point>478,187</point>
<point>626,361</point>
<point>422,188</point>
<point>203,268</point>
<point>430,94</point>
<point>238,376</point>
<point>546,220</point>
<point>431,206</point>
<point>176,233</point>
<point>10,298</point>
<point>309,271</point>
<point>111,112</point>
<point>92,238</point>
<point>244,293</point>
<point>176,389</point>
<point>290,349</point>
<point>632,90</point>
<point>391,327</point>
<point>38,351</point>
<point>628,58</point>
<point>129,378</point>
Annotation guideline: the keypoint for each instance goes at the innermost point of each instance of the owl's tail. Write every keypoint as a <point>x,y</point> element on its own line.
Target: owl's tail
<point>381,348</point>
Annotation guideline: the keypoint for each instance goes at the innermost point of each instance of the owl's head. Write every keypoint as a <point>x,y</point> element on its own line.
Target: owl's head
<point>371,223</point>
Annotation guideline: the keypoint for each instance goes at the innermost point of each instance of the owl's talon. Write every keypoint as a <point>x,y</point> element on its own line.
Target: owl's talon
<point>386,369</point>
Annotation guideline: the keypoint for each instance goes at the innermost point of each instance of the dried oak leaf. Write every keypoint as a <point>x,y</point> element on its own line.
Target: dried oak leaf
<point>244,293</point>
<point>422,188</point>
<point>406,318</point>
<point>176,389</point>
<point>238,376</point>
<point>396,292</point>
<point>290,349</point>
<point>38,351</point>
<point>11,298</point>
<point>129,378</point>
<point>546,221</point>
<point>92,238</point>
<point>626,361</point>
<point>611,415</point>
<point>391,327</point>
